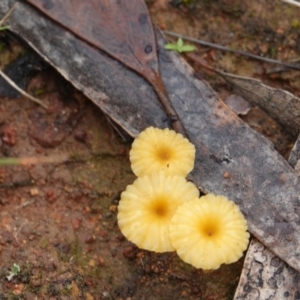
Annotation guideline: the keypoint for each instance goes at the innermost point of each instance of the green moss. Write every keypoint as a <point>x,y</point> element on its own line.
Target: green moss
<point>44,243</point>
<point>2,46</point>
<point>66,290</point>
<point>39,92</point>
<point>295,24</point>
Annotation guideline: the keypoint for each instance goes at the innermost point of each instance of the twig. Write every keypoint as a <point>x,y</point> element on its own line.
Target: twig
<point>115,127</point>
<point>200,62</point>
<point>6,78</point>
<point>9,13</point>
<point>26,203</point>
<point>4,27</point>
<point>223,48</point>
<point>160,90</point>
<point>292,2</point>
<point>35,160</point>
<point>19,230</point>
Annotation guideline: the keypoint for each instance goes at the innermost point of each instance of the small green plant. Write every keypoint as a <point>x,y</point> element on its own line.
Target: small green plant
<point>2,46</point>
<point>180,46</point>
<point>14,271</point>
<point>39,92</point>
<point>4,27</point>
<point>295,24</point>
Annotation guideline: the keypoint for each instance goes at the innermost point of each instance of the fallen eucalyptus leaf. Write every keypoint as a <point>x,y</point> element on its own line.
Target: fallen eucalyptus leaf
<point>122,29</point>
<point>264,275</point>
<point>294,158</point>
<point>279,104</point>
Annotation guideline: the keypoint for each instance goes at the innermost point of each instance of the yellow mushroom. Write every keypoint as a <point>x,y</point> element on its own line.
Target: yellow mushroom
<point>209,231</point>
<point>147,206</point>
<point>156,150</point>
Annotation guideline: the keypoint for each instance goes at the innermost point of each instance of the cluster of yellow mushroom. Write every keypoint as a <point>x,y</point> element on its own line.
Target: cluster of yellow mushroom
<point>161,211</point>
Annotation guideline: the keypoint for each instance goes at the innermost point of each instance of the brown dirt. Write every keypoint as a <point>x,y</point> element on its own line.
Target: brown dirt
<point>58,220</point>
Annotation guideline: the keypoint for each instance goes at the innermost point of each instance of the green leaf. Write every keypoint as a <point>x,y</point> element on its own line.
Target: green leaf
<point>9,161</point>
<point>180,47</point>
<point>171,46</point>
<point>187,48</point>
<point>179,43</point>
<point>4,27</point>
<point>15,269</point>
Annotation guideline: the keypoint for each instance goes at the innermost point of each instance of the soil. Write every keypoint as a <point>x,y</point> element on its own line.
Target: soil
<point>58,219</point>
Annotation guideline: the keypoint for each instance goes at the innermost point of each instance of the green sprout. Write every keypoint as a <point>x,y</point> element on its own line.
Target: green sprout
<point>180,47</point>
<point>295,24</point>
<point>14,271</point>
<point>39,92</point>
<point>4,27</point>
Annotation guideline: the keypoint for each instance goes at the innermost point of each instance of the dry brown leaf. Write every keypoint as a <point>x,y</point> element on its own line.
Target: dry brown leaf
<point>264,275</point>
<point>279,104</point>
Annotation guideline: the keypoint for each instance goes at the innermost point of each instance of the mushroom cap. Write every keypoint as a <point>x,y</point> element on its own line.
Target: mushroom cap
<point>209,231</point>
<point>147,207</point>
<point>156,150</point>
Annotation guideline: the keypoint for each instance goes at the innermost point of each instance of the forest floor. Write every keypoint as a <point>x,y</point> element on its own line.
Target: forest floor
<point>58,220</point>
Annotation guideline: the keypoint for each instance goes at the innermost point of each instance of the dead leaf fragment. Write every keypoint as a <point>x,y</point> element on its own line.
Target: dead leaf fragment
<point>279,104</point>
<point>238,104</point>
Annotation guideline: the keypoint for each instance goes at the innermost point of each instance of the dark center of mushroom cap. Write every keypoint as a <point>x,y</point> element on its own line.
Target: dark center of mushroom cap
<point>210,229</point>
<point>164,153</point>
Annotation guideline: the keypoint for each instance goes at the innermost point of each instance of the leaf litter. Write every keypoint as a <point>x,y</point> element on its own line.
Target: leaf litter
<point>68,283</point>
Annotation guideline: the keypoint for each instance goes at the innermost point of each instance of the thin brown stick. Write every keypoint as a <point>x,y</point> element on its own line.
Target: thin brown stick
<point>200,61</point>
<point>7,79</point>
<point>9,13</point>
<point>56,158</point>
<point>223,48</point>
<point>292,2</point>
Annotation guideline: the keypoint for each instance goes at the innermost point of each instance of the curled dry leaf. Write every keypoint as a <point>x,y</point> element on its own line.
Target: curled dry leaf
<point>279,104</point>
<point>264,275</point>
<point>238,104</point>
